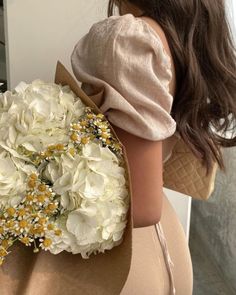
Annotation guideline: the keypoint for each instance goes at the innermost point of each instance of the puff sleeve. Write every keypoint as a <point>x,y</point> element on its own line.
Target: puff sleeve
<point>124,56</point>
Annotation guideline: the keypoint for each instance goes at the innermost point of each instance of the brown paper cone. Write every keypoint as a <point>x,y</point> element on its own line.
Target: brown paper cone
<point>27,273</point>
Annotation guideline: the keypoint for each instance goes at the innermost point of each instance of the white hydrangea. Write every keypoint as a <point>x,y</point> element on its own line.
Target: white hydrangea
<point>92,188</point>
<point>37,115</point>
<point>90,184</point>
<point>12,180</point>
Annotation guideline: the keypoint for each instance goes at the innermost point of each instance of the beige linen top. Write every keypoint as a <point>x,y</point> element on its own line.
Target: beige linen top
<point>124,56</point>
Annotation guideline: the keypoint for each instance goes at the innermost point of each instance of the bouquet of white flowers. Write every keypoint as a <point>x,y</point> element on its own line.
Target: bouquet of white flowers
<point>63,177</point>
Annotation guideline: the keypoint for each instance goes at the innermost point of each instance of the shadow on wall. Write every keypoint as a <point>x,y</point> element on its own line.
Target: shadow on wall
<point>3,83</point>
<point>214,221</point>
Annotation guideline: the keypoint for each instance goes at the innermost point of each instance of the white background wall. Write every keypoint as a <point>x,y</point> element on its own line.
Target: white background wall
<point>40,32</point>
<point>2,48</point>
<point>1,25</point>
<point>231,8</point>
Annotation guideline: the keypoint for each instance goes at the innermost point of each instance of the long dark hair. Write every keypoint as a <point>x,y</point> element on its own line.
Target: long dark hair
<point>202,46</point>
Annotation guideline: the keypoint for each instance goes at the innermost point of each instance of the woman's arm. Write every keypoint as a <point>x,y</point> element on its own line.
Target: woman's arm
<point>145,162</point>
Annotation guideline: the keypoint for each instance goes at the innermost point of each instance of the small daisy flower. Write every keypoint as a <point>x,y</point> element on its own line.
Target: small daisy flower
<point>2,231</point>
<point>3,252</point>
<point>41,199</point>
<point>22,226</point>
<point>45,243</point>
<point>26,240</point>
<point>10,212</point>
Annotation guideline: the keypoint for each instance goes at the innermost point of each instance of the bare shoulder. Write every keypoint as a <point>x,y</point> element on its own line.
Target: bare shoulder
<point>158,29</point>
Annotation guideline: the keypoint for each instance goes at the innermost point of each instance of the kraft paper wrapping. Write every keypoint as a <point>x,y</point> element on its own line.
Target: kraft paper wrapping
<point>27,273</point>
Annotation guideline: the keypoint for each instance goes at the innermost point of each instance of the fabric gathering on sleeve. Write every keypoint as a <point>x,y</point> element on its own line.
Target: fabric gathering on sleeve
<point>126,58</point>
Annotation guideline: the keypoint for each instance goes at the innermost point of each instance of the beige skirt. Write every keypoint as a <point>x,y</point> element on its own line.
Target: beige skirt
<point>150,271</point>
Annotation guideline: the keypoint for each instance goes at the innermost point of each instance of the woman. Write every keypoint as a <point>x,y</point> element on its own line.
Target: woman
<point>170,71</point>
<point>161,69</point>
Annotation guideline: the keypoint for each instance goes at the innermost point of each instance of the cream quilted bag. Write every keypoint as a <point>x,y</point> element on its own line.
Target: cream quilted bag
<point>183,172</point>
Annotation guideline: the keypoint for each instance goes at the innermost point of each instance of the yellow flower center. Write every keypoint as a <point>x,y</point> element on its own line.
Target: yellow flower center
<point>48,154</point>
<point>100,116</point>
<point>48,193</point>
<point>32,231</point>
<point>51,206</point>
<point>60,147</point>
<point>74,137</point>
<point>58,232</point>
<point>42,220</point>
<point>5,244</point>
<point>23,223</point>
<point>116,145</point>
<point>72,151</point>
<point>51,147</point>
<point>31,183</point>
<point>47,242</point>
<point>29,197</point>
<point>50,226</point>
<point>21,212</point>
<point>104,135</point>
<point>83,123</point>
<point>10,223</point>
<point>85,140</point>
<point>76,127</point>
<point>90,116</point>
<point>39,230</point>
<point>11,211</point>
<point>33,176</point>
<point>3,252</point>
<point>42,187</point>
<point>41,198</point>
<point>25,240</point>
